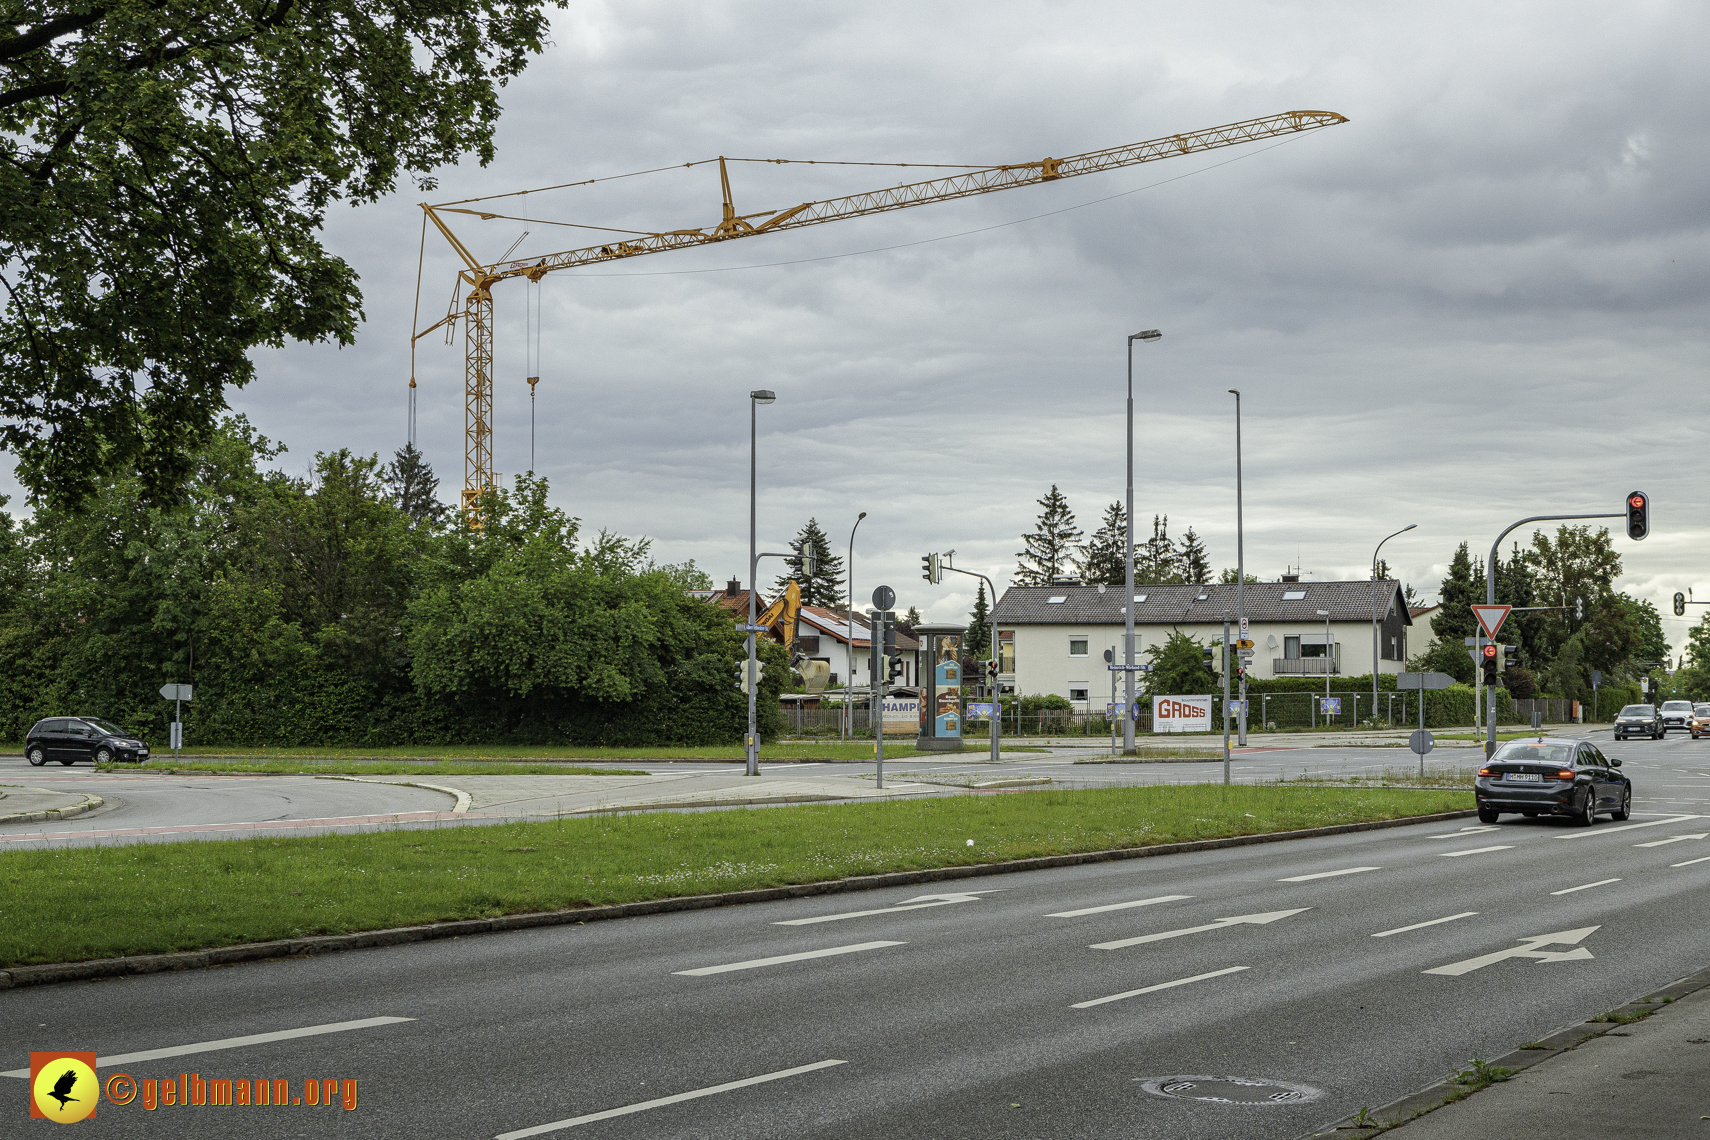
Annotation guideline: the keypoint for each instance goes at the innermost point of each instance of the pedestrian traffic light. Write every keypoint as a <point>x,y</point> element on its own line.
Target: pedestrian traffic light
<point>1490,665</point>
<point>1638,515</point>
<point>931,568</point>
<point>992,668</point>
<point>1679,605</point>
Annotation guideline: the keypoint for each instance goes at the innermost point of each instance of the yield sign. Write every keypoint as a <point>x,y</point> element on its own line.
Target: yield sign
<point>1532,947</point>
<point>1491,618</point>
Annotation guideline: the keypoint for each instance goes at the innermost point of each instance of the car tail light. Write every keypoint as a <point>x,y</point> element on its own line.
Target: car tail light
<point>1564,774</point>
<point>1485,772</point>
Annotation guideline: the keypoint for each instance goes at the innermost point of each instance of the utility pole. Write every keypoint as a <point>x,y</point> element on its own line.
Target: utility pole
<point>1128,596</point>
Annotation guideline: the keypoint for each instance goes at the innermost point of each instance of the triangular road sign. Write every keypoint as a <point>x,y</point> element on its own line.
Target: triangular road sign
<point>1491,618</point>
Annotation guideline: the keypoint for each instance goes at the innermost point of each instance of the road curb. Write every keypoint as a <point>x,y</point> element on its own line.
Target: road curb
<point>462,798</point>
<point>396,936</point>
<point>90,803</point>
<point>1397,1113</point>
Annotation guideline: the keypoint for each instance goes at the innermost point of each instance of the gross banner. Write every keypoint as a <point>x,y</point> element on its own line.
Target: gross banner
<point>1181,714</point>
<point>902,714</point>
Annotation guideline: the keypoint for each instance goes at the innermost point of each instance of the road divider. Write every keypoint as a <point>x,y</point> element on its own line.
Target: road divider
<point>1159,986</point>
<point>1264,919</point>
<point>755,964</point>
<point>1117,906</point>
<point>1423,925</point>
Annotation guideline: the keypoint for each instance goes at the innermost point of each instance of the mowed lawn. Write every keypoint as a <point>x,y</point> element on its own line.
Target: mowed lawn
<point>777,750</point>
<point>98,902</point>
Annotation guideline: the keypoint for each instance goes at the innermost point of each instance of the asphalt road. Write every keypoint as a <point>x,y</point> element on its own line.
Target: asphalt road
<point>1348,970</point>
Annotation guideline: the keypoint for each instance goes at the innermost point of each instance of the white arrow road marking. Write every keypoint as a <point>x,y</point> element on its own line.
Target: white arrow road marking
<point>1473,851</point>
<point>1117,906</point>
<point>1328,874</point>
<point>232,1042</point>
<point>1423,925</point>
<point>1221,924</point>
<point>1586,886</point>
<point>1159,986</point>
<point>781,958</point>
<point>1673,839</point>
<point>1690,862</point>
<point>920,903</point>
<point>1629,827</point>
<point>1529,948</point>
<point>678,1098</point>
<point>1473,830</point>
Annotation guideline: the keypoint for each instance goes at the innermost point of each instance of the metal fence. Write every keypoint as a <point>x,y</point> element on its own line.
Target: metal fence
<point>1554,710</point>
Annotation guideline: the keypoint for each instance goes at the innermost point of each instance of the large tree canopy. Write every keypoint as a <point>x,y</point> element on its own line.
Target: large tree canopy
<point>165,168</point>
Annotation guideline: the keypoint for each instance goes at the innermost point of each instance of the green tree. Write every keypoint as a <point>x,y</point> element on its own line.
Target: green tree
<point>1104,557</point>
<point>912,618</point>
<point>1178,667</point>
<point>1454,617</point>
<point>1444,657</point>
<point>167,167</point>
<point>1155,561</point>
<point>1050,549</point>
<point>824,587</point>
<point>1229,573</point>
<point>1193,562</point>
<point>414,488</point>
<point>977,642</point>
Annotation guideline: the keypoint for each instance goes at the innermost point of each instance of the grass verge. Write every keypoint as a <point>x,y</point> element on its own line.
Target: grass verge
<point>503,753</point>
<point>97,902</point>
<point>371,768</point>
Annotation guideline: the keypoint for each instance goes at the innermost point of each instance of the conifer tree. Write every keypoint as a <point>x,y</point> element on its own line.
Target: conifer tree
<point>413,486</point>
<point>824,587</point>
<point>1051,547</point>
<point>977,641</point>
<point>1155,562</point>
<point>1104,557</point>
<point>1192,561</point>
<point>1454,620</point>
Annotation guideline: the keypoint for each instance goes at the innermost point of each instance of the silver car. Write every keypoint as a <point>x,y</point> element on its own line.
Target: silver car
<point>1676,715</point>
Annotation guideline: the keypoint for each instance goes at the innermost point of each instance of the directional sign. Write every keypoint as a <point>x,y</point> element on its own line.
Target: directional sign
<point>175,692</point>
<point>920,903</point>
<point>1244,643</point>
<point>1528,948</point>
<point>1491,618</point>
<point>1421,741</point>
<point>1221,924</point>
<point>1423,680</point>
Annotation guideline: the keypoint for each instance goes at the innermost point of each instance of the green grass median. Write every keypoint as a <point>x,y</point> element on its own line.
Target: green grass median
<point>97,902</point>
<point>332,767</point>
<point>773,752</point>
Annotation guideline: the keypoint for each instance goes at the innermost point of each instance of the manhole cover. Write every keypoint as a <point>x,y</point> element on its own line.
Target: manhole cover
<point>1230,1090</point>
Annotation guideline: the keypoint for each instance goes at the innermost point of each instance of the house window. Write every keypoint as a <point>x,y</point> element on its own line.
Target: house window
<point>1290,648</point>
<point>1077,692</point>
<point>1057,601</point>
<point>1294,595</point>
<point>1006,651</point>
<point>1077,647</point>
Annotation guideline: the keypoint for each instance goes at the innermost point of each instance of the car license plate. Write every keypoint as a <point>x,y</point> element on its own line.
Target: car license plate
<point>1525,777</point>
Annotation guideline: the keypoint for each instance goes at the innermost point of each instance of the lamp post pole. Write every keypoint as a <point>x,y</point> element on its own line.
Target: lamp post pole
<point>1403,530</point>
<point>1329,662</point>
<point>1128,594</point>
<point>1240,576</point>
<point>755,399</point>
<point>848,717</point>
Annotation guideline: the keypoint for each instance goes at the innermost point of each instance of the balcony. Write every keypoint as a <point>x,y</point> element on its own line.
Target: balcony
<point>1304,666</point>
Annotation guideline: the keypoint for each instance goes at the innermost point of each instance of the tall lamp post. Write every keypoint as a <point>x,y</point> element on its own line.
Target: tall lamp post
<point>849,626</point>
<point>1147,335</point>
<point>1329,663</point>
<point>1240,575</point>
<point>755,399</point>
<point>1403,530</point>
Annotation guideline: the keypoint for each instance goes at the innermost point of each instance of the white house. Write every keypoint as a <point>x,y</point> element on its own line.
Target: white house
<point>1052,639</point>
<point>824,634</point>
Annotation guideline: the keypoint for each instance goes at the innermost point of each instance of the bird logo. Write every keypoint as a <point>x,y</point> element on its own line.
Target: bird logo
<point>63,1086</point>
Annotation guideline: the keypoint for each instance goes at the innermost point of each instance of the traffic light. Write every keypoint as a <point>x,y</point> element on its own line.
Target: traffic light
<point>1510,658</point>
<point>1638,515</point>
<point>931,568</point>
<point>1490,665</point>
<point>1209,654</point>
<point>896,669</point>
<point>806,560</point>
<point>1679,605</point>
<point>1579,609</point>
<point>742,674</point>
<point>992,669</point>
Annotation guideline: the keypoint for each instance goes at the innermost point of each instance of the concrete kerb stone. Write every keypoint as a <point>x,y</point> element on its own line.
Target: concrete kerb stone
<point>462,798</point>
<point>19,976</point>
<point>89,804</point>
<point>1397,1113</point>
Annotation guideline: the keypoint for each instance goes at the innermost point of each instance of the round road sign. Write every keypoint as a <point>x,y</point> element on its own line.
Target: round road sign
<point>884,598</point>
<point>1421,741</point>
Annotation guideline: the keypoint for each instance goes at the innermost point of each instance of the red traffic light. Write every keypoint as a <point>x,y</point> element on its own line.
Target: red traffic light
<point>1637,501</point>
<point>1490,651</point>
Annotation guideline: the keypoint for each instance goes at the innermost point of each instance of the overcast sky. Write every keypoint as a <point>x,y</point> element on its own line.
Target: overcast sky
<point>1482,298</point>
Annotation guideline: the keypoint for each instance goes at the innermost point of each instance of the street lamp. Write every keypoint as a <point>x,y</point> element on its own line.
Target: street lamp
<point>1403,530</point>
<point>849,644</point>
<point>1147,335</point>
<point>1329,658</point>
<point>755,398</point>
<point>1240,573</point>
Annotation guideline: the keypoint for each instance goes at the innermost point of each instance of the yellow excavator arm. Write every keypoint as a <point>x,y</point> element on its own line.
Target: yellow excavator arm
<point>780,617</point>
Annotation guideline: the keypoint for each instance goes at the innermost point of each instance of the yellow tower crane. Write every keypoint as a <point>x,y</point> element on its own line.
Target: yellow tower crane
<point>480,277</point>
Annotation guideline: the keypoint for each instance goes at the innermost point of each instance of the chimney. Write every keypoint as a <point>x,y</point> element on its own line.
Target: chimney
<point>732,588</point>
<point>1291,577</point>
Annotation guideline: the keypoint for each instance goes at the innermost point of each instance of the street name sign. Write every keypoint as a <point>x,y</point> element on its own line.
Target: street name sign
<point>1423,680</point>
<point>746,628</point>
<point>1119,668</point>
<point>175,692</point>
<point>1490,618</point>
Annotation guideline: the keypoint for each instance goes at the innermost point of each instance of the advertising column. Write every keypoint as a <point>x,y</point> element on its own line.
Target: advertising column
<point>941,688</point>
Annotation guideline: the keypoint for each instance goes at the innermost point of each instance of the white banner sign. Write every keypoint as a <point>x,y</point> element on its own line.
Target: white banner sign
<point>902,715</point>
<point>1181,714</point>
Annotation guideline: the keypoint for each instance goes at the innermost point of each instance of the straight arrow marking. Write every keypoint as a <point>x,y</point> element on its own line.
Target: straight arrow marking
<point>1528,948</point>
<point>1221,924</point>
<point>920,903</point>
<point>1587,834</point>
<point>1673,839</point>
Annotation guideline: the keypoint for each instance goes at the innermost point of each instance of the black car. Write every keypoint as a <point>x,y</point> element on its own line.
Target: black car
<point>69,739</point>
<point>1638,720</point>
<point>1676,714</point>
<point>1552,776</point>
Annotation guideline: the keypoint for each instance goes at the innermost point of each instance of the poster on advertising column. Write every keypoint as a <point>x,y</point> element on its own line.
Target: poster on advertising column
<point>1181,714</point>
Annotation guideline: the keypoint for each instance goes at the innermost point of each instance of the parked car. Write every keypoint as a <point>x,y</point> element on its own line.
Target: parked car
<point>1700,721</point>
<point>69,739</point>
<point>1677,714</point>
<point>1638,720</point>
<point>1552,776</point>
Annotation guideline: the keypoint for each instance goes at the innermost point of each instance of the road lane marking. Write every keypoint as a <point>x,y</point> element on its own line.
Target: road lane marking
<point>1465,831</point>
<point>1423,925</point>
<point>1159,986</point>
<point>921,903</point>
<point>1690,862</point>
<point>1527,949</point>
<point>1474,851</point>
<point>1221,924</point>
<point>1117,906</point>
<point>1673,839</point>
<point>781,958</point>
<point>1328,874</point>
<point>677,1098</point>
<point>1629,827</point>
<point>1586,886</point>
<point>232,1042</point>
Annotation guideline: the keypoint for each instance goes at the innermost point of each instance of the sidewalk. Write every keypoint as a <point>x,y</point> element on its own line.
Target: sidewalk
<point>1648,1079</point>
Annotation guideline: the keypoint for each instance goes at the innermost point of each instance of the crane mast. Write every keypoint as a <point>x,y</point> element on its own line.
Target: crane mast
<point>479,277</point>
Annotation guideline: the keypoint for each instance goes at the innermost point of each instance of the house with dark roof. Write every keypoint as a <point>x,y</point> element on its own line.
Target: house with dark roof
<point>1051,639</point>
